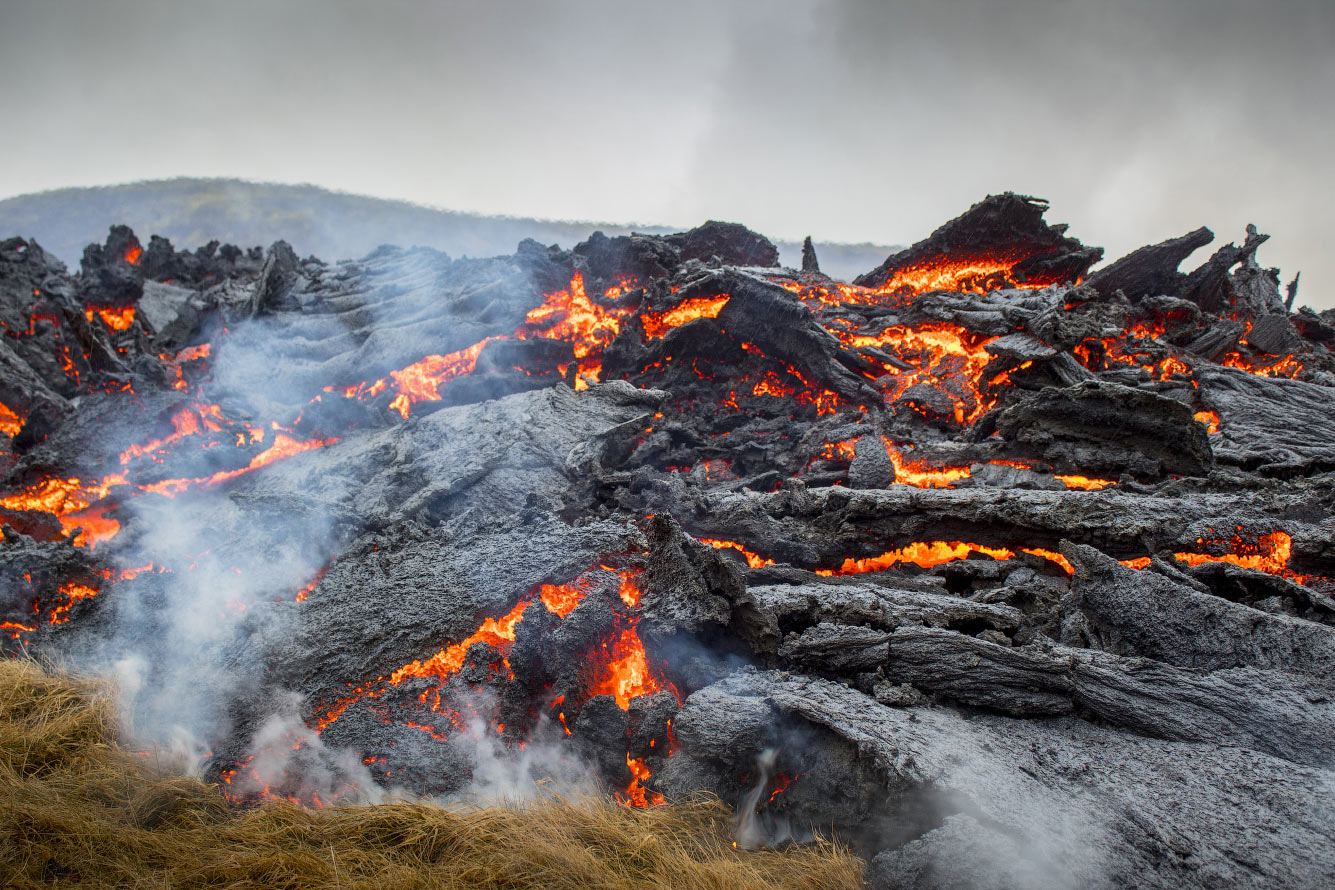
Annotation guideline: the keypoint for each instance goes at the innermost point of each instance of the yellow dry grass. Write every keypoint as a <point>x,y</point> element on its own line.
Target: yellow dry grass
<point>77,810</point>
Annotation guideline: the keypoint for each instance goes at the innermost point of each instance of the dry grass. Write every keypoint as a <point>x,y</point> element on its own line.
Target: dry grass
<point>76,810</point>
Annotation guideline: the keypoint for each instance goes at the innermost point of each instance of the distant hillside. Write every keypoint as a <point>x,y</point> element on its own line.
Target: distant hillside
<point>330,225</point>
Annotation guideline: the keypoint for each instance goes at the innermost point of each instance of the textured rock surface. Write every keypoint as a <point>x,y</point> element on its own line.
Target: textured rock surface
<point>1007,580</point>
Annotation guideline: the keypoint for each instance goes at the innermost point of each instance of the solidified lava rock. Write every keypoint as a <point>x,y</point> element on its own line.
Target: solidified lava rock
<point>1006,572</point>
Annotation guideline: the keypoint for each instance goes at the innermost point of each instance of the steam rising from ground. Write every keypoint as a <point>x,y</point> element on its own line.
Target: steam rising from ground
<point>187,646</point>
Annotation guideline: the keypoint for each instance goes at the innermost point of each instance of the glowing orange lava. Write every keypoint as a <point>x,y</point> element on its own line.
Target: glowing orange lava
<point>96,526</point>
<point>635,794</point>
<point>561,599</point>
<point>625,674</point>
<point>283,446</point>
<point>753,560</point>
<point>448,661</point>
<point>656,324</point>
<point>1085,483</point>
<point>978,274</point>
<point>1264,366</point>
<point>73,593</point>
<point>15,629</point>
<point>1051,556</point>
<point>1268,553</point>
<point>10,423</point>
<point>918,473</point>
<point>921,553</point>
<point>118,318</point>
<point>133,255</point>
<point>570,315</point>
<point>186,422</point>
<point>1209,418</point>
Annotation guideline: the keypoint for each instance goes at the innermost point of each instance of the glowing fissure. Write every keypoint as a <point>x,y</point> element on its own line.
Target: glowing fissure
<point>1268,553</point>
<point>619,667</point>
<point>118,318</point>
<point>918,473</point>
<point>924,554</point>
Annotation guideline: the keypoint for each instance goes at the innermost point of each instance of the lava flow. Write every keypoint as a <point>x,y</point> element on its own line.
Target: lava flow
<point>618,667</point>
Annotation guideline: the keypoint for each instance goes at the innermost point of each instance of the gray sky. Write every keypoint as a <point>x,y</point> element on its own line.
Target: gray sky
<point>851,121</point>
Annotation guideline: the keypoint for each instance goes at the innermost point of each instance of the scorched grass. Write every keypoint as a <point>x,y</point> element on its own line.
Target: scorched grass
<point>78,810</point>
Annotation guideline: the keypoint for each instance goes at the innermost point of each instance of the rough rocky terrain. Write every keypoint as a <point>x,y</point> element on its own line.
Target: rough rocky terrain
<point>1006,572</point>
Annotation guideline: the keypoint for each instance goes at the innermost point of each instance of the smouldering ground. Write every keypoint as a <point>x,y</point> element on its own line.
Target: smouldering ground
<point>78,810</point>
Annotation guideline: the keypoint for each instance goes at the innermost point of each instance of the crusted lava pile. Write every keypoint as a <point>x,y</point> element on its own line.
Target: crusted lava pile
<point>1019,573</point>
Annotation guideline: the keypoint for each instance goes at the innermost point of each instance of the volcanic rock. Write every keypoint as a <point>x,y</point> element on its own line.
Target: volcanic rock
<point>997,575</point>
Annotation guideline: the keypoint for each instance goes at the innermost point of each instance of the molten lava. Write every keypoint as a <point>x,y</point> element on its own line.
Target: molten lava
<point>1085,483</point>
<point>1268,553</point>
<point>572,316</point>
<point>635,794</point>
<point>283,446</point>
<point>10,423</point>
<point>920,553</point>
<point>918,473</point>
<point>494,631</point>
<point>753,560</point>
<point>656,324</point>
<point>118,318</point>
<point>186,422</point>
<point>962,274</point>
<point>625,674</point>
<point>73,592</point>
<point>1209,418</point>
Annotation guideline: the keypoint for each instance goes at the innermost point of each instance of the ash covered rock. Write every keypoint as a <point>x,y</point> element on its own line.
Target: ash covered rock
<point>1001,576</point>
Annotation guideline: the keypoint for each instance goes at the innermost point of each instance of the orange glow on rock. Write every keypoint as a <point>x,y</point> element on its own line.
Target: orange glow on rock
<point>186,422</point>
<point>920,553</point>
<point>73,592</point>
<point>625,674</point>
<point>753,560</point>
<point>656,324</point>
<point>1264,366</point>
<point>1085,483</point>
<point>570,315</point>
<point>1051,556</point>
<point>10,423</point>
<point>97,526</point>
<point>118,318</point>
<point>133,255</point>
<point>15,629</point>
<point>635,794</point>
<point>448,661</point>
<point>977,275</point>
<point>561,599</point>
<point>1209,418</point>
<point>283,446</point>
<point>917,473</point>
<point>1268,553</point>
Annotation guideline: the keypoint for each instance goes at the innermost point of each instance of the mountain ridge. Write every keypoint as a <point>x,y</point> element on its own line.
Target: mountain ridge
<point>192,211</point>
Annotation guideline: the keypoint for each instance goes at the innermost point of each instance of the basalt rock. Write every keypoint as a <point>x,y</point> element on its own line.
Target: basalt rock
<point>1005,573</point>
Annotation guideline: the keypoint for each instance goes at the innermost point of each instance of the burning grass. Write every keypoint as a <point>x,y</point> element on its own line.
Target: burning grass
<point>78,810</point>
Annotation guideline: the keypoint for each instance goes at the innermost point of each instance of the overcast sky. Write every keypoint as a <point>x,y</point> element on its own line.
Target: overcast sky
<point>851,121</point>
